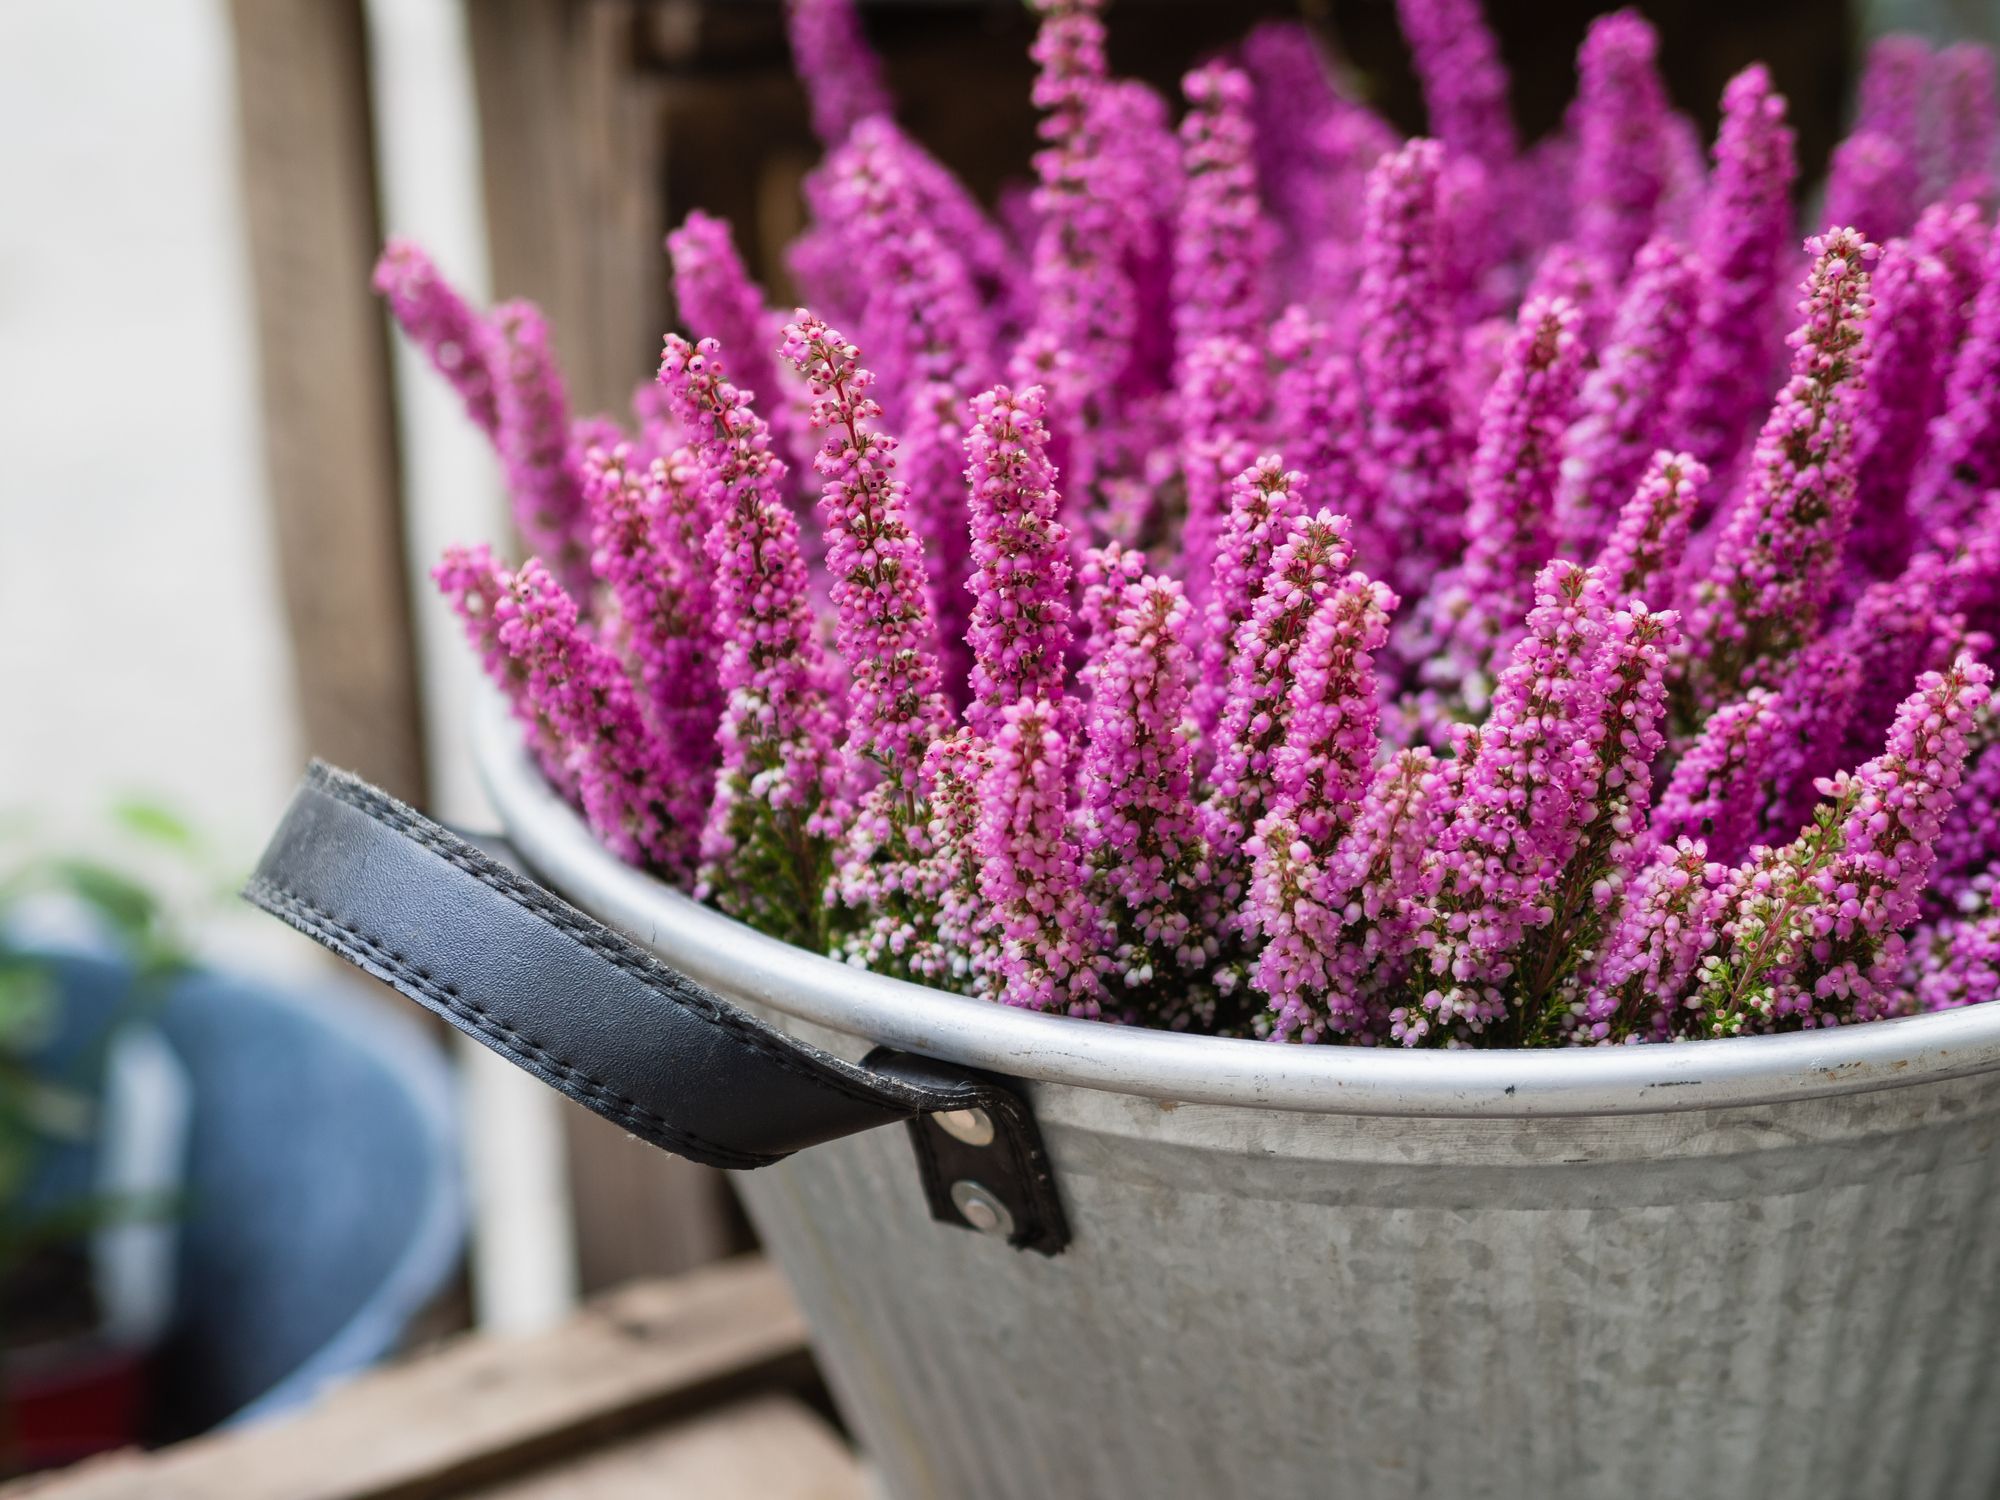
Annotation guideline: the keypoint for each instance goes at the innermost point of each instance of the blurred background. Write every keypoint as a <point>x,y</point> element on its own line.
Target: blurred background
<point>224,483</point>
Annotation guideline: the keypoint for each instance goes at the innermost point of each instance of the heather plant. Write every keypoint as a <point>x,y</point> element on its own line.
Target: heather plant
<point>1277,578</point>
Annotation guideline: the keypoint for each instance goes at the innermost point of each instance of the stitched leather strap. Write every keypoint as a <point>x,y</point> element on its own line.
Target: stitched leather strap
<point>583,1009</point>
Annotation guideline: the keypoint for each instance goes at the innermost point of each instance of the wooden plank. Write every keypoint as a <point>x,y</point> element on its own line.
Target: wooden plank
<point>488,1409</point>
<point>329,426</point>
<point>768,1447</point>
<point>640,1212</point>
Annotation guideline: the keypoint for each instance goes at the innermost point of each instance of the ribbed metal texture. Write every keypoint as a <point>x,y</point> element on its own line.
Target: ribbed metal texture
<point>1800,1300</point>
<point>1753,1269</point>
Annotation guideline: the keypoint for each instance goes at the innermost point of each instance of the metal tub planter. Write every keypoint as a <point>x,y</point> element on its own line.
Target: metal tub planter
<point>1761,1267</point>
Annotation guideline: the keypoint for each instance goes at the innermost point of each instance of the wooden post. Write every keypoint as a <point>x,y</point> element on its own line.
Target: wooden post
<point>330,442</point>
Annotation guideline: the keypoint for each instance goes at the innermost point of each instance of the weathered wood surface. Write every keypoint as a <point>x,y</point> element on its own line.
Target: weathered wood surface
<point>519,1413</point>
<point>323,358</point>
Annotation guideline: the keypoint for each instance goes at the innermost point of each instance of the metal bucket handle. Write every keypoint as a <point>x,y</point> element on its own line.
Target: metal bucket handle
<point>591,1014</point>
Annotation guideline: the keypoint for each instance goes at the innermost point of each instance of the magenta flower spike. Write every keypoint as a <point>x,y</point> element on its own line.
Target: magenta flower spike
<point>1668,923</point>
<point>1717,789</point>
<point>1266,500</point>
<point>1745,242</point>
<point>1954,962</point>
<point>1894,96</point>
<point>1968,842</point>
<point>1318,777</point>
<point>1872,184</point>
<point>1774,566</point>
<point>1020,629</point>
<point>1084,311</point>
<point>1407,352</point>
<point>439,321</point>
<point>1509,520</point>
<point>1643,554</point>
<point>1221,398</point>
<point>1319,419</point>
<point>1961,461</point>
<point>1813,929</point>
<point>718,300</point>
<point>1620,121</point>
<point>1222,246</point>
<point>1527,794</point>
<point>779,789</point>
<point>1909,358</point>
<point>650,524</point>
<point>1139,833</point>
<point>631,795</point>
<point>1306,567</point>
<point>1052,936</point>
<point>1968,100</point>
<point>533,435</point>
<point>840,71</point>
<point>474,584</point>
<point>1464,83</point>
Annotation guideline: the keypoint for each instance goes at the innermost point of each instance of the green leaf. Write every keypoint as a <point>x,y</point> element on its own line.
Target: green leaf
<point>156,823</point>
<point>122,901</point>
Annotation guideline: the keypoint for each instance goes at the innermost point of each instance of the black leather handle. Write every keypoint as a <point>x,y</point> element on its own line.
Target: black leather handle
<point>594,1015</point>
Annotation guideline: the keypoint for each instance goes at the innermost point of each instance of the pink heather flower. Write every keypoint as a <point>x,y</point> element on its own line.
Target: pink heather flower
<point>1266,501</point>
<point>840,71</point>
<point>475,584</point>
<point>634,800</point>
<point>1955,962</point>
<point>1774,566</point>
<point>1900,628</point>
<point>1464,82</point>
<point>1625,406</point>
<point>1577,275</point>
<point>1962,460</point>
<point>1969,121</point>
<point>922,312</point>
<point>1139,176</point>
<point>1318,418</point>
<point>1894,97</point>
<point>1813,928</point>
<point>1620,120</point>
<point>779,788</point>
<point>1345,146</point>
<point>1817,687</point>
<point>1717,787</point>
<point>1909,356</point>
<point>1745,240</point>
<point>1052,937</point>
<point>888,638</point>
<point>1512,483</point>
<point>1968,843</point>
<point>1020,628</point>
<point>1223,242</point>
<point>1643,554</point>
<point>1221,400</point>
<point>1407,352</point>
<point>1527,795</point>
<point>1871,184</point>
<point>718,300</point>
<point>1292,102</point>
<point>1306,567</point>
<point>438,321</point>
<point>1318,776</point>
<point>1338,929</point>
<point>1668,922</point>
<point>650,526</point>
<point>1139,833</point>
<point>953,941</point>
<point>1084,302</point>
<point>533,436</point>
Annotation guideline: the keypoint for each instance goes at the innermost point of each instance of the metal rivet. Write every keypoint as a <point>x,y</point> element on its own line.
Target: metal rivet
<point>973,1126</point>
<point>981,1209</point>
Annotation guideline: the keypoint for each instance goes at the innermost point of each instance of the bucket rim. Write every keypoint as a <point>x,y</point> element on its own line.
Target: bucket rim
<point>1501,1083</point>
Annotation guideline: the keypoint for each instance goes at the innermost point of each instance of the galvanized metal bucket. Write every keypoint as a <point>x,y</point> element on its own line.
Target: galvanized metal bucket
<point>1765,1267</point>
